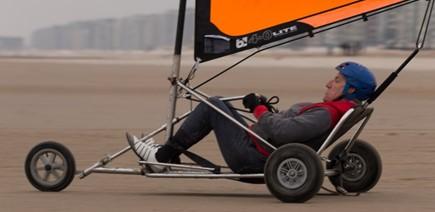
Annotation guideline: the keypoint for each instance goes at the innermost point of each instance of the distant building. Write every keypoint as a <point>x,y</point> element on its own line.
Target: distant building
<point>397,28</point>
<point>11,43</point>
<point>48,38</point>
<point>403,24</point>
<point>102,35</point>
<point>140,32</point>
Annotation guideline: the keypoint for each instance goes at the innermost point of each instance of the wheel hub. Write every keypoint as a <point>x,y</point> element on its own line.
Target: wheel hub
<point>292,173</point>
<point>48,167</point>
<point>354,167</point>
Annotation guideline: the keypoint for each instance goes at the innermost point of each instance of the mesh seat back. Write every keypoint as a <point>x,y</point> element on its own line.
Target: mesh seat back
<point>355,117</point>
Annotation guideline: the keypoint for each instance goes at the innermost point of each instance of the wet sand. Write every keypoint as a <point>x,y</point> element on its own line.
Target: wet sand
<point>89,107</point>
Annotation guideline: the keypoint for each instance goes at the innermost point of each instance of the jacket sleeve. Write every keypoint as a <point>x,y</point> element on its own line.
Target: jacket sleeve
<point>310,124</point>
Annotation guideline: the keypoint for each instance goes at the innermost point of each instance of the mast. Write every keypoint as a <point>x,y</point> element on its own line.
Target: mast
<point>175,74</point>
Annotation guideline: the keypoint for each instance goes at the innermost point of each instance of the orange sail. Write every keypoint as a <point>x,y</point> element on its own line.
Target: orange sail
<point>228,26</point>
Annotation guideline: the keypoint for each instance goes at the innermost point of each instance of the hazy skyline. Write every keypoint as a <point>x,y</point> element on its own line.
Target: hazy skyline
<point>21,17</point>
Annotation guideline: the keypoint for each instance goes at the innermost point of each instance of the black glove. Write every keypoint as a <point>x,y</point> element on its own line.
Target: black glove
<point>252,100</point>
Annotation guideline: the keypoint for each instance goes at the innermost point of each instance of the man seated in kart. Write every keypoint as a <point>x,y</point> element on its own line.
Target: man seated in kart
<point>306,123</point>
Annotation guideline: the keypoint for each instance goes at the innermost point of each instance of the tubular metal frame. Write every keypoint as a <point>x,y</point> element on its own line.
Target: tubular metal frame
<point>334,131</point>
<point>99,167</point>
<point>194,171</point>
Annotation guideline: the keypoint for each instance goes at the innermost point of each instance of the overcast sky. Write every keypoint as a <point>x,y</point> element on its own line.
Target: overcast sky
<point>21,17</point>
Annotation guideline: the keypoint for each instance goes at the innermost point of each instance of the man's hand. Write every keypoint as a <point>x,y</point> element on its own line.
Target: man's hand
<point>252,100</point>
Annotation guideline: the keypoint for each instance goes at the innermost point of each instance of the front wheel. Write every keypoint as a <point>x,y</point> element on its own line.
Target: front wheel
<point>50,166</point>
<point>294,173</point>
<point>360,169</point>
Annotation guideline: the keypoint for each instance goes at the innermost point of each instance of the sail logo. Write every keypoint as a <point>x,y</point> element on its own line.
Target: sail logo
<point>254,39</point>
<point>264,36</point>
<point>242,42</point>
<point>285,31</point>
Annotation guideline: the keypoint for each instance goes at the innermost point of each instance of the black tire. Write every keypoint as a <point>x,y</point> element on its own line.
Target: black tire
<point>361,170</point>
<point>50,166</point>
<point>294,173</point>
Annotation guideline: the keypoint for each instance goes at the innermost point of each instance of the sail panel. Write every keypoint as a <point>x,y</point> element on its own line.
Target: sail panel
<point>347,12</point>
<point>224,27</point>
<point>236,18</point>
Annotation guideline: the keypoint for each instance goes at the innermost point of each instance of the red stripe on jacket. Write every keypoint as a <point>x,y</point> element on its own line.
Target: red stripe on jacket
<point>336,110</point>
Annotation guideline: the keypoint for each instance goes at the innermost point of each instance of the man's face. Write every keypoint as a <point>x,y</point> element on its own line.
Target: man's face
<point>334,88</point>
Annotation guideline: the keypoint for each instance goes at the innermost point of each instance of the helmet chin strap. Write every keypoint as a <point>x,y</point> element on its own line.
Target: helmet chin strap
<point>343,95</point>
<point>357,101</point>
<point>346,92</point>
<point>345,89</point>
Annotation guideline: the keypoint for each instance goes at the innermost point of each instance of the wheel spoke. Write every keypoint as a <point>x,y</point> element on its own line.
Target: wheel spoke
<point>286,169</point>
<point>57,166</point>
<point>297,166</point>
<point>283,171</point>
<point>52,158</point>
<point>47,174</point>
<point>289,165</point>
<point>54,172</point>
<point>44,159</point>
<point>40,168</point>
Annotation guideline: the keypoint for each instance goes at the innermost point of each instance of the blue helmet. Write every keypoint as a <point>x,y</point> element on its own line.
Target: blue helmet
<point>358,77</point>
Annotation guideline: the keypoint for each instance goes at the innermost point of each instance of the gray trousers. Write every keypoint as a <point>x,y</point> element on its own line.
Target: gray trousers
<point>235,143</point>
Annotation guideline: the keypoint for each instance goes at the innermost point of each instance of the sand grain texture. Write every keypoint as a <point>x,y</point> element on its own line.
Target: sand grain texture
<point>89,107</point>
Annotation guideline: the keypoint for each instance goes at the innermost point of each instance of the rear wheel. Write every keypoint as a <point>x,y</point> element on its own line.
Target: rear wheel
<point>50,166</point>
<point>294,173</point>
<point>361,168</point>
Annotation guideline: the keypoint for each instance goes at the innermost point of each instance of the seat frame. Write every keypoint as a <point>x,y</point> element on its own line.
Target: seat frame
<point>360,114</point>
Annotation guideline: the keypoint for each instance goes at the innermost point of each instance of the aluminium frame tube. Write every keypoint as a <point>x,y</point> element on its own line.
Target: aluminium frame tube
<point>107,159</point>
<point>175,69</point>
<point>202,99</point>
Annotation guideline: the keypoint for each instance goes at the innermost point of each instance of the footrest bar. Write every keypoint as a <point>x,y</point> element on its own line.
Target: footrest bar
<point>118,171</point>
<point>205,176</point>
<point>172,165</point>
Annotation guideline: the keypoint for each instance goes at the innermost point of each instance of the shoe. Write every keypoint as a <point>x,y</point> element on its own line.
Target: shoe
<point>146,151</point>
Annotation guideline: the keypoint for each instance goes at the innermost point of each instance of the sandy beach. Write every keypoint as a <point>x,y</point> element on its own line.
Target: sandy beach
<point>88,105</point>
